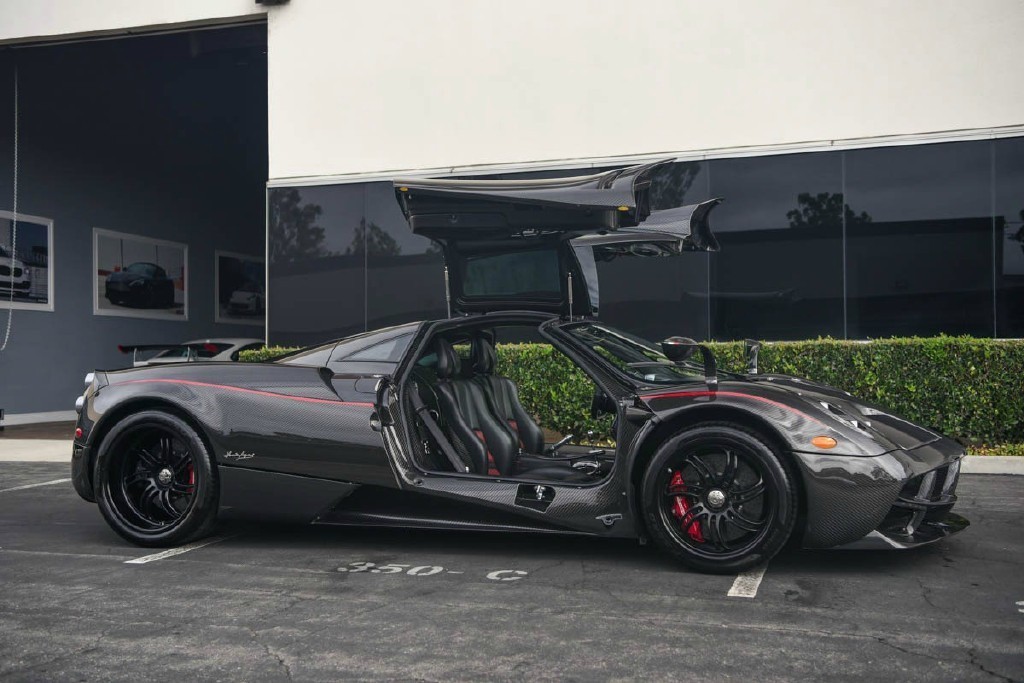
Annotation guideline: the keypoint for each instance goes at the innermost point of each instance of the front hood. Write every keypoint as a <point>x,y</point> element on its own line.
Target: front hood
<point>889,430</point>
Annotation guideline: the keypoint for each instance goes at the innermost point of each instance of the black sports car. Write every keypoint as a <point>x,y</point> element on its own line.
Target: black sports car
<point>412,425</point>
<point>142,285</point>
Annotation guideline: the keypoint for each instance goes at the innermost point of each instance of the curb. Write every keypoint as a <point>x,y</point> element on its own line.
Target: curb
<point>992,464</point>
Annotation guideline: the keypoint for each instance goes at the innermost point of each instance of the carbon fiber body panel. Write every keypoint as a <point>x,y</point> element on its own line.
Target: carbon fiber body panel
<point>849,497</point>
<point>296,441</point>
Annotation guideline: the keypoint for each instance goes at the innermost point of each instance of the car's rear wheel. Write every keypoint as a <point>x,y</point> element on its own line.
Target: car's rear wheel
<point>155,481</point>
<point>717,497</point>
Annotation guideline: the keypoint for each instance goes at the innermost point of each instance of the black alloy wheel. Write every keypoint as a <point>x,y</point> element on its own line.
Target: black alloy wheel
<point>155,482</point>
<point>717,497</point>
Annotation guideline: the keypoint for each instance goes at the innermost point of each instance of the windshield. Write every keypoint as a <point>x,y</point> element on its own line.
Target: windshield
<point>635,357</point>
<point>146,269</point>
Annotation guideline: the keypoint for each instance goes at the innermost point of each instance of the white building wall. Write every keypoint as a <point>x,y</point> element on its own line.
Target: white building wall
<point>358,87</point>
<point>57,19</point>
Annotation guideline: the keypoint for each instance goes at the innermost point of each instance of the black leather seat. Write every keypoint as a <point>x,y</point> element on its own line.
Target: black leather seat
<point>504,396</point>
<point>475,432</point>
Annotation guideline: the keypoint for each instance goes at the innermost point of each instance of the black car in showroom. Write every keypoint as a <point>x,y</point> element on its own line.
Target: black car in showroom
<point>140,285</point>
<point>413,426</point>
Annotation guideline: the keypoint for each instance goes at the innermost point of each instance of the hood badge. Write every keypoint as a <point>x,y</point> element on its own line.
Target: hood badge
<point>239,456</point>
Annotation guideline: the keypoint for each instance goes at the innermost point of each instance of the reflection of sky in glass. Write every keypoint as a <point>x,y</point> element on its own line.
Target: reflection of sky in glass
<point>1009,202</point>
<point>382,208</point>
<point>342,209</point>
<point>920,182</point>
<point>760,191</point>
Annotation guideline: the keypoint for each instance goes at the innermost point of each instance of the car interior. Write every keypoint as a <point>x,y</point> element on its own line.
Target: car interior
<point>470,419</point>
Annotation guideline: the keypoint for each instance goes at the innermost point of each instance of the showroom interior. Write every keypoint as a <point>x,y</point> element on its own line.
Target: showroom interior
<point>863,197</point>
<point>154,146</point>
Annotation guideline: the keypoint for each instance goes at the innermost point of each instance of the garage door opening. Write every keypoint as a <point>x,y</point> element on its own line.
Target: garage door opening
<point>134,150</point>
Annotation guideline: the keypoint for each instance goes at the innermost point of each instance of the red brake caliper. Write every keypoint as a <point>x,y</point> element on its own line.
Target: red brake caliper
<point>191,475</point>
<point>680,508</point>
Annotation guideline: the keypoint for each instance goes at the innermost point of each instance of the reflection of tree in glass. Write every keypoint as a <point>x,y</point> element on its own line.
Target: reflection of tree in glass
<point>670,184</point>
<point>293,230</point>
<point>822,210</point>
<point>374,240</point>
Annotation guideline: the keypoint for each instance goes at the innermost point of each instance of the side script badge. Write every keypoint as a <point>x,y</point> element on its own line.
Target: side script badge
<point>239,456</point>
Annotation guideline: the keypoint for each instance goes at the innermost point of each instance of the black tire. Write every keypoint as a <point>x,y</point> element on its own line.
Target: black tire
<point>135,493</point>
<point>741,526</point>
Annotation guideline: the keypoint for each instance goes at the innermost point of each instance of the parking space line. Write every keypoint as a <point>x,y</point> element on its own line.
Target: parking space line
<point>746,584</point>
<point>145,559</point>
<point>50,553</point>
<point>32,486</point>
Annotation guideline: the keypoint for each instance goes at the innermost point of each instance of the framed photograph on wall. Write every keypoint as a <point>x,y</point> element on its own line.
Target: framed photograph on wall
<point>26,263</point>
<point>241,292</point>
<point>139,277</point>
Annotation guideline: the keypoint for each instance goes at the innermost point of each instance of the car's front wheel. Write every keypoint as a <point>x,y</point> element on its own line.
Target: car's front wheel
<point>717,497</point>
<point>155,481</point>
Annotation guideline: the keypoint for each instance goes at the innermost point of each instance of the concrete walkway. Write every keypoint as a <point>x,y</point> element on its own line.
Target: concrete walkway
<point>35,450</point>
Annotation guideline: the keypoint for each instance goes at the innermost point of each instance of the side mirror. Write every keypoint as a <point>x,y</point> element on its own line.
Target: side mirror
<point>751,348</point>
<point>679,349</point>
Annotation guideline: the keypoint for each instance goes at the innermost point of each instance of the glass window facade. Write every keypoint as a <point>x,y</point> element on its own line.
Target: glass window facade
<point>903,240</point>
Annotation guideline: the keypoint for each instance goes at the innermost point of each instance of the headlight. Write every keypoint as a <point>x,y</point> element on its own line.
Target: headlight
<point>89,379</point>
<point>79,404</point>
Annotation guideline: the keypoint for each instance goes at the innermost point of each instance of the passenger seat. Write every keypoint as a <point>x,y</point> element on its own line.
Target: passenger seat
<point>504,397</point>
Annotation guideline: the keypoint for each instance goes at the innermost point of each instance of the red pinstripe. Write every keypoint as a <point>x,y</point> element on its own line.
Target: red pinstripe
<point>193,383</point>
<point>735,394</point>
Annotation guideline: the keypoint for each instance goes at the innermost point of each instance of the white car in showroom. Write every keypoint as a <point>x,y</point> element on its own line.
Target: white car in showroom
<point>13,274</point>
<point>248,299</point>
<point>220,349</point>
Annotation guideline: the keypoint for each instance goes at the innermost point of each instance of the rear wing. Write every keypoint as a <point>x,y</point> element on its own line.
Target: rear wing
<point>192,350</point>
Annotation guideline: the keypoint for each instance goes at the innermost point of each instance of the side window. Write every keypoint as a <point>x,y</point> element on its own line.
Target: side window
<point>317,356</point>
<point>555,391</point>
<point>389,351</point>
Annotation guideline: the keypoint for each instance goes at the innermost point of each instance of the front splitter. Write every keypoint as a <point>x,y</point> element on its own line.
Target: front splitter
<point>929,532</point>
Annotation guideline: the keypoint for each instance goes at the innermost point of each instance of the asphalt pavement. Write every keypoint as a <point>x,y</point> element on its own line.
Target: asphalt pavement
<point>268,603</point>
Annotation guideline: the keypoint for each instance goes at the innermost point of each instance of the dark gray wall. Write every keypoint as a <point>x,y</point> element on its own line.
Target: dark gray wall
<point>162,136</point>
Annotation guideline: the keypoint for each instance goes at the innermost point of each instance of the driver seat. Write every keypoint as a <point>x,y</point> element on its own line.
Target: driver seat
<point>480,439</point>
<point>504,397</point>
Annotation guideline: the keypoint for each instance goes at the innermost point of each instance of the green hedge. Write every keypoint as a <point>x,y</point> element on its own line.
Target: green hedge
<point>266,354</point>
<point>970,389</point>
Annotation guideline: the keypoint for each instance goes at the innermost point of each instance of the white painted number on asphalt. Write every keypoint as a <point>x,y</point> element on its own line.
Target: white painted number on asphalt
<point>423,570</point>
<point>747,583</point>
<point>1020,606</point>
<point>506,575</point>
